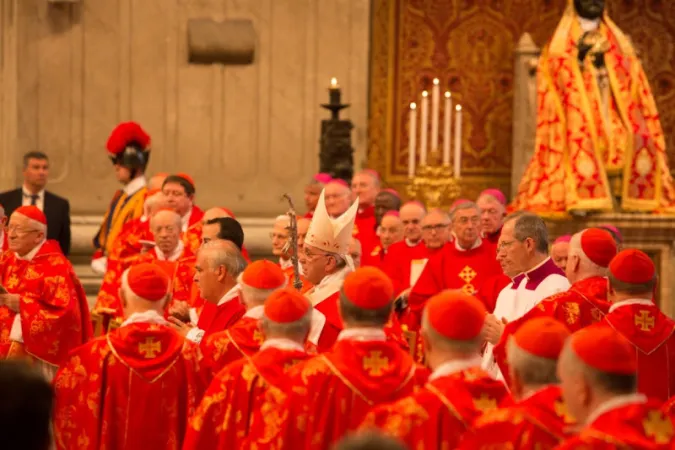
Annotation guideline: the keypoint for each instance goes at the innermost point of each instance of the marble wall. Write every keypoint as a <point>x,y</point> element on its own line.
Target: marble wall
<point>70,72</point>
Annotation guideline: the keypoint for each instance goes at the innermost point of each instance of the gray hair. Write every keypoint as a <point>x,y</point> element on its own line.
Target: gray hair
<point>177,219</point>
<point>297,330</point>
<point>468,347</point>
<point>575,249</point>
<point>224,253</point>
<point>528,225</point>
<point>461,207</point>
<point>255,295</point>
<point>533,370</point>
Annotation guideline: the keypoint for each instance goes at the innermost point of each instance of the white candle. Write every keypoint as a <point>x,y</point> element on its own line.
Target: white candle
<point>425,128</point>
<point>446,128</point>
<point>458,141</point>
<point>333,83</point>
<point>435,113</point>
<point>412,142</point>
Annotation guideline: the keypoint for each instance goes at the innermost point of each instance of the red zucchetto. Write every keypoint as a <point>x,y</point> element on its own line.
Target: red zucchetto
<point>286,305</point>
<point>456,315</point>
<point>368,288</point>
<point>604,349</point>
<point>542,336</point>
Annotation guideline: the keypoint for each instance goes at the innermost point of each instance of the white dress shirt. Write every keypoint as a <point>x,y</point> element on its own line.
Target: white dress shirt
<point>26,200</point>
<point>134,185</point>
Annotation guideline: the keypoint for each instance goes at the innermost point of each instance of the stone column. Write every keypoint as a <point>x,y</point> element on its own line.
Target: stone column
<point>9,153</point>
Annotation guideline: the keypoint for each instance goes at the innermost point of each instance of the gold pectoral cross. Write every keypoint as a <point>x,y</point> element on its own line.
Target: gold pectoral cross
<point>150,348</point>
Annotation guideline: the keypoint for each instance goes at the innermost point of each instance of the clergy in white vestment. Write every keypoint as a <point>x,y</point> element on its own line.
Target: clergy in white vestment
<point>522,252</point>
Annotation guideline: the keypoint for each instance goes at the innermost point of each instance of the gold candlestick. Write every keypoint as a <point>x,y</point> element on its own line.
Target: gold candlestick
<point>434,185</point>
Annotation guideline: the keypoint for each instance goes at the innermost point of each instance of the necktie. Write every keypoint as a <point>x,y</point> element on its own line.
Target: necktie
<point>33,199</point>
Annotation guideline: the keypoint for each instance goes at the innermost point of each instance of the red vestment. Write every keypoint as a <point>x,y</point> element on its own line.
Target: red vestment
<point>436,416</point>
<point>452,268</point>
<point>584,304</point>
<point>538,422</point>
<point>183,287</point>
<point>398,263</point>
<point>192,236</point>
<point>635,426</point>
<point>290,274</point>
<point>365,230</point>
<point>375,257</point>
<point>244,338</point>
<point>669,407</point>
<point>134,388</point>
<point>128,242</point>
<point>215,318</point>
<point>652,334</point>
<point>225,415</point>
<point>332,392</point>
<point>53,308</point>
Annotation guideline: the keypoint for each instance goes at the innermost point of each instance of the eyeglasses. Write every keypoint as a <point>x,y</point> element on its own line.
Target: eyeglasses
<point>436,227</point>
<point>505,245</point>
<point>174,193</point>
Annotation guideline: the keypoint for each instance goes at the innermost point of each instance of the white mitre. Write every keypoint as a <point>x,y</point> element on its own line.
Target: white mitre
<point>328,234</point>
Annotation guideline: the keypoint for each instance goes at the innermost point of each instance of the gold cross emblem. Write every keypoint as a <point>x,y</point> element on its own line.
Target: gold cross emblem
<point>150,348</point>
<point>467,274</point>
<point>561,410</point>
<point>658,427</point>
<point>644,320</point>
<point>572,312</point>
<point>484,403</point>
<point>469,289</point>
<point>258,337</point>
<point>375,363</point>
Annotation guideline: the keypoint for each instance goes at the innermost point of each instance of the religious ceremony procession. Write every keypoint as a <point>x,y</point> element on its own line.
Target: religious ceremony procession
<point>337,224</point>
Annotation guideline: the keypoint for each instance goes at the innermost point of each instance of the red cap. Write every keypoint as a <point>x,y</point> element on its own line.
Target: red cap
<point>458,202</point>
<point>542,336</point>
<point>339,181</point>
<point>456,315</point>
<point>286,305</point>
<point>32,212</point>
<point>187,178</point>
<point>496,193</point>
<point>598,245</point>
<point>125,133</point>
<point>148,281</point>
<point>263,274</point>
<point>322,178</point>
<point>562,239</point>
<point>368,288</point>
<point>632,266</point>
<point>603,348</point>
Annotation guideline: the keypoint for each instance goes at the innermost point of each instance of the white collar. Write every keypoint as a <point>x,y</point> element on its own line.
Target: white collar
<point>285,263</point>
<point>173,256</point>
<point>475,245</point>
<point>134,185</point>
<point>144,218</point>
<point>454,366</point>
<point>536,267</point>
<point>362,334</point>
<point>588,24</point>
<point>149,316</point>
<point>614,403</point>
<point>256,312</point>
<point>229,295</point>
<point>631,301</point>
<point>31,254</point>
<point>28,193</point>
<point>411,244</point>
<point>282,344</point>
<point>327,286</point>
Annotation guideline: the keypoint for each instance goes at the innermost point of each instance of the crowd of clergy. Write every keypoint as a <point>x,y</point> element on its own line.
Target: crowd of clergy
<point>379,325</point>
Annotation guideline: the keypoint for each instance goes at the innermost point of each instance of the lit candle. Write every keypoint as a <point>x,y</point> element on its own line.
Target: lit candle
<point>412,142</point>
<point>425,128</point>
<point>333,83</point>
<point>334,92</point>
<point>458,141</point>
<point>435,112</point>
<point>446,128</point>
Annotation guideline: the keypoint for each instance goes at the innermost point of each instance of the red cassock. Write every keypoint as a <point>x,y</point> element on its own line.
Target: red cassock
<point>399,260</point>
<point>584,304</point>
<point>215,318</point>
<point>244,338</point>
<point>183,287</point>
<point>365,230</point>
<point>375,257</point>
<point>539,422</point>
<point>128,242</point>
<point>490,290</point>
<point>225,415</point>
<point>108,296</point>
<point>331,394</point>
<point>635,426</point>
<point>652,334</point>
<point>192,236</point>
<point>135,388</point>
<point>53,306</point>
<point>436,416</point>
<point>452,268</point>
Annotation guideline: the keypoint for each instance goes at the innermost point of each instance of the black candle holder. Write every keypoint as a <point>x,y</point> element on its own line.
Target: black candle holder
<point>336,156</point>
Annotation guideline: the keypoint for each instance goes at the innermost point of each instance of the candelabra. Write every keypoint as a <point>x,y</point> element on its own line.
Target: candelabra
<point>336,155</point>
<point>434,184</point>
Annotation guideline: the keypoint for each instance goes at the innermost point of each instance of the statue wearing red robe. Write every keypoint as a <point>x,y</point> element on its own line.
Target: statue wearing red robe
<point>538,422</point>
<point>225,415</point>
<point>135,388</point>
<point>53,316</point>
<point>437,415</point>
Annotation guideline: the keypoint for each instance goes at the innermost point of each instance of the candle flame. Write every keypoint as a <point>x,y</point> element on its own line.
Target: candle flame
<point>413,105</point>
<point>333,82</point>
<point>425,94</point>
<point>458,108</point>
<point>436,81</point>
<point>448,94</point>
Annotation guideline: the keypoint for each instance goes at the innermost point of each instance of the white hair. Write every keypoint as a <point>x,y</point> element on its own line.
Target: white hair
<point>131,296</point>
<point>153,200</point>
<point>283,218</point>
<point>587,265</point>
<point>224,253</point>
<point>35,225</point>
<point>177,218</point>
<point>256,296</point>
<point>298,329</point>
<point>532,369</point>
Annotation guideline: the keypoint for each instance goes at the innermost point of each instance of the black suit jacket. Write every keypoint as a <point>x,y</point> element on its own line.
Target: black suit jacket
<point>56,209</point>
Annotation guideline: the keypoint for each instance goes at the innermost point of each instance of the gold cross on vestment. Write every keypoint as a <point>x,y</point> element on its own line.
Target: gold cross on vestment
<point>644,320</point>
<point>467,274</point>
<point>258,337</point>
<point>658,427</point>
<point>150,348</point>
<point>484,403</point>
<point>561,410</point>
<point>375,363</point>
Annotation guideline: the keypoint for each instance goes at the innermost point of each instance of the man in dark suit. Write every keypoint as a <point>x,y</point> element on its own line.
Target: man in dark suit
<point>55,208</point>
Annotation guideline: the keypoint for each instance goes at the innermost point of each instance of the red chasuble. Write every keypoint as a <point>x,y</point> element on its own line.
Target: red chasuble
<point>538,422</point>
<point>244,338</point>
<point>451,268</point>
<point>635,426</point>
<point>398,262</point>
<point>134,388</point>
<point>192,236</point>
<point>375,257</point>
<point>584,304</point>
<point>652,334</point>
<point>215,318</point>
<point>490,290</point>
<point>669,407</point>
<point>128,242</point>
<point>53,307</point>
<point>436,416</point>
<point>331,394</point>
<point>226,414</point>
<point>365,230</point>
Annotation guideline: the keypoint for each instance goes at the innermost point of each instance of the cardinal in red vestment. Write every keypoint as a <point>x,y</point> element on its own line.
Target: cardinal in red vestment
<point>331,393</point>
<point>492,205</point>
<point>3,234</point>
<point>598,374</point>
<point>365,187</point>
<point>538,419</point>
<point>179,189</point>
<point>585,303</point>
<point>669,407</point>
<point>632,279</point>
<point>464,264</point>
<point>43,309</point>
<point>134,388</point>
<point>390,231</point>
<point>457,392</point>
<point>313,190</point>
<point>256,284</point>
<point>236,397</point>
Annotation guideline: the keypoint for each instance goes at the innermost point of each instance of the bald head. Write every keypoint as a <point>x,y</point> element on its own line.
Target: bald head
<point>390,230</point>
<point>166,227</point>
<point>303,227</point>
<point>337,197</point>
<point>214,213</point>
<point>412,214</point>
<point>156,181</point>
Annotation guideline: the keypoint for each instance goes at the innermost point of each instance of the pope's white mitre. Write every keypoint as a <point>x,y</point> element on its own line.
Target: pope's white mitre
<point>328,234</point>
